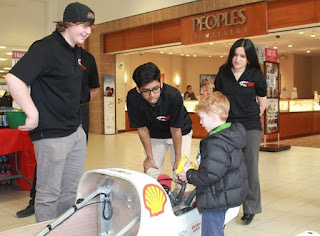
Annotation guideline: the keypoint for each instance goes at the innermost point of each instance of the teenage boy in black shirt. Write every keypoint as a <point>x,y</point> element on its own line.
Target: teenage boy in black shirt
<point>157,111</point>
<point>90,87</point>
<point>52,67</point>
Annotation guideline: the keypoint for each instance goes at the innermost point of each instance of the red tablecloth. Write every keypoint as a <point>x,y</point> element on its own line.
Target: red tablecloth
<point>14,140</point>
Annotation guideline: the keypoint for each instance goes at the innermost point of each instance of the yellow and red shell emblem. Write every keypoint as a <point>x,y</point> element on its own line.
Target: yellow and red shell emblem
<point>154,199</point>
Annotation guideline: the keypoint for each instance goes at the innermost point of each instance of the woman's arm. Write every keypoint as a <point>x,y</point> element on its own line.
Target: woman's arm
<point>262,101</point>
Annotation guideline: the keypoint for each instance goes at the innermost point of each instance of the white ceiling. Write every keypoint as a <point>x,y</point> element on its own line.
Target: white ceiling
<point>301,43</point>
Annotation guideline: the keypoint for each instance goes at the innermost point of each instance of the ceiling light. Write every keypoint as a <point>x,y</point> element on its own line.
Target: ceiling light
<point>300,32</point>
<point>221,56</point>
<point>275,47</point>
<point>211,43</point>
<point>210,56</point>
<point>9,53</point>
<point>188,55</point>
<point>308,51</point>
<point>7,68</point>
<point>194,55</point>
<point>2,47</point>
<point>3,59</point>
<point>162,52</point>
<point>289,46</point>
<point>170,53</point>
<point>182,54</point>
<point>312,35</point>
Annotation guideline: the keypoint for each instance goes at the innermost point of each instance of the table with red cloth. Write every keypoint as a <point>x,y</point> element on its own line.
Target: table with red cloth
<point>19,145</point>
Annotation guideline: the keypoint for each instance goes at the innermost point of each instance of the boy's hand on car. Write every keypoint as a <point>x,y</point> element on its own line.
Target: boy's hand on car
<point>182,176</point>
<point>149,163</point>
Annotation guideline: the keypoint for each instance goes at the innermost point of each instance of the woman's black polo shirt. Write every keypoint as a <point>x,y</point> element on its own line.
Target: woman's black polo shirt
<point>51,68</point>
<point>168,112</point>
<point>242,95</point>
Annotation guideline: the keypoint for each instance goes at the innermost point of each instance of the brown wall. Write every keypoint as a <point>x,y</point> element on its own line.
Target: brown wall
<point>106,63</point>
<point>302,71</point>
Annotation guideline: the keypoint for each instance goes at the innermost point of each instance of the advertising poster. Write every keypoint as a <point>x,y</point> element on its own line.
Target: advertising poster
<point>109,105</point>
<point>206,84</point>
<point>272,116</point>
<point>272,76</point>
<point>16,55</point>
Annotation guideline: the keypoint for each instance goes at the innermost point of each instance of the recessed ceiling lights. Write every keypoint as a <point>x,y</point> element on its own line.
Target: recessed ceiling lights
<point>312,35</point>
<point>194,55</point>
<point>210,56</point>
<point>182,54</point>
<point>170,53</point>
<point>300,32</point>
<point>275,47</point>
<point>2,47</point>
<point>9,53</point>
<point>187,55</point>
<point>308,51</point>
<point>211,43</point>
<point>290,46</point>
<point>162,52</point>
<point>3,59</point>
<point>221,56</point>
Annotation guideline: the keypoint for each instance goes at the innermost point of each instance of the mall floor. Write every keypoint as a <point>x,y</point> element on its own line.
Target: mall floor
<point>290,182</point>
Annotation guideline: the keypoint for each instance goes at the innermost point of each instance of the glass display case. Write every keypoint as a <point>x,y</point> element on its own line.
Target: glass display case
<point>299,105</point>
<point>190,105</point>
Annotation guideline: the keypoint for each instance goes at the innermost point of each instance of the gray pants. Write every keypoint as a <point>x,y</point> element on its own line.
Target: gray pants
<point>252,204</point>
<point>60,164</point>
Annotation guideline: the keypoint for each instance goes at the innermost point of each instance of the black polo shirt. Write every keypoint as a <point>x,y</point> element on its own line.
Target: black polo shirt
<point>242,95</point>
<point>90,77</point>
<point>168,112</point>
<point>51,68</point>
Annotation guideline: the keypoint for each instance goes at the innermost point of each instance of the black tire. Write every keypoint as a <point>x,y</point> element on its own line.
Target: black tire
<point>191,200</point>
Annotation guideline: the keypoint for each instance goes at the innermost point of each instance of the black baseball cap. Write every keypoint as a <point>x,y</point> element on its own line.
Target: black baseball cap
<point>78,12</point>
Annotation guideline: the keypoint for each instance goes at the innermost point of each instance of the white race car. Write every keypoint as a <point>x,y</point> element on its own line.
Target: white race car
<point>123,202</point>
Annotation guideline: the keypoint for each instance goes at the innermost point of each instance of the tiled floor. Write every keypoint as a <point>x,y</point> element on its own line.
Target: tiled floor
<point>290,182</point>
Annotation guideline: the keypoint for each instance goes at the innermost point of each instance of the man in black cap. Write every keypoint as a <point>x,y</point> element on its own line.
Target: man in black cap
<point>90,87</point>
<point>53,69</point>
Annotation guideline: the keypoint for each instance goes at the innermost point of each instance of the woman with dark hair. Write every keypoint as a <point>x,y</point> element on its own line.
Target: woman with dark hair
<point>242,81</point>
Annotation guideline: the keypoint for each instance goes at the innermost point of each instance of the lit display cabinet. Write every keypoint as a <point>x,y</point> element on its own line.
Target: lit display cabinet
<point>190,105</point>
<point>299,105</point>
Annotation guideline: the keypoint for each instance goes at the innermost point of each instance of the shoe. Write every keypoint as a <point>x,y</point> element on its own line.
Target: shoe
<point>247,218</point>
<point>28,211</point>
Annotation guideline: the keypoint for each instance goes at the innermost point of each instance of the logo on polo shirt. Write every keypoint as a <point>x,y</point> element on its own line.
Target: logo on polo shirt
<point>163,118</point>
<point>82,66</point>
<point>246,84</point>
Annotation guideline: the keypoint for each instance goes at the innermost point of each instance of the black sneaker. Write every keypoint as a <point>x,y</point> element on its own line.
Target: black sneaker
<point>247,218</point>
<point>29,211</point>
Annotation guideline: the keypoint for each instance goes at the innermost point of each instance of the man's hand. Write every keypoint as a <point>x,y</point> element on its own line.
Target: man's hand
<point>31,124</point>
<point>149,163</point>
<point>176,163</point>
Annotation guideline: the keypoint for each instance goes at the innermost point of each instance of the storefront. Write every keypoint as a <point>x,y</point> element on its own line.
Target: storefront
<point>123,44</point>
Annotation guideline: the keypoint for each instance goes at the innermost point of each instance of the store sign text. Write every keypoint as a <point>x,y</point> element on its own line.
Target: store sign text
<point>235,17</point>
<point>220,25</point>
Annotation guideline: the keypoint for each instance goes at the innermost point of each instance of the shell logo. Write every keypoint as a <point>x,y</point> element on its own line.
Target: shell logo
<point>154,199</point>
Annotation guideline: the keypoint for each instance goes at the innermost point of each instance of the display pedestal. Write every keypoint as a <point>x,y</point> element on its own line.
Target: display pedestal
<point>269,147</point>
<point>274,148</point>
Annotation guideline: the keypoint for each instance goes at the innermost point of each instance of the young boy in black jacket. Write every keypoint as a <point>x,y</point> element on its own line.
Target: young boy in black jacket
<point>221,180</point>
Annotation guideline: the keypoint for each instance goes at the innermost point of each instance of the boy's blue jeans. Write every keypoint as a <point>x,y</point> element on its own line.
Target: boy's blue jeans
<point>213,222</point>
